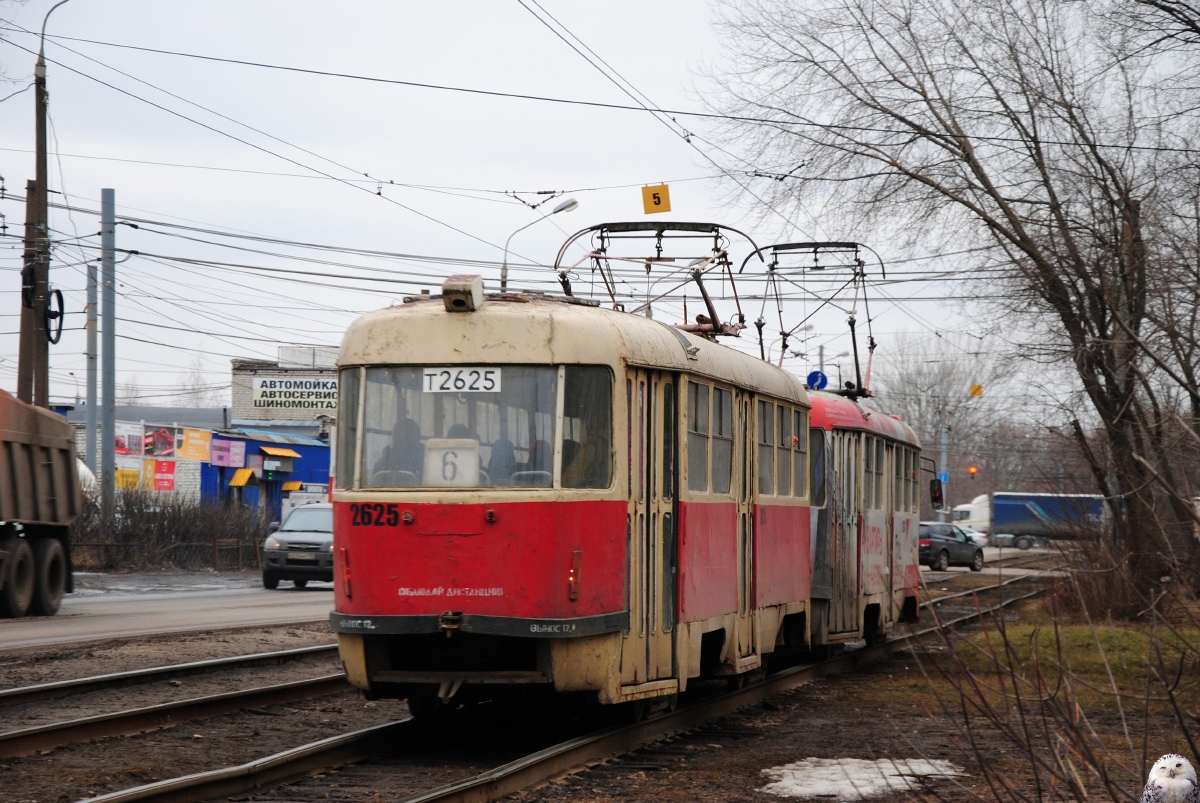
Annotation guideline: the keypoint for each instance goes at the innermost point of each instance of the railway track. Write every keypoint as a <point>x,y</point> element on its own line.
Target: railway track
<point>26,741</point>
<point>536,767</point>
<point>117,680</point>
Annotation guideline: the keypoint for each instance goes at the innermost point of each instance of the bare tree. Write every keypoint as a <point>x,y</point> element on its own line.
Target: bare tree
<point>1031,129</point>
<point>194,389</point>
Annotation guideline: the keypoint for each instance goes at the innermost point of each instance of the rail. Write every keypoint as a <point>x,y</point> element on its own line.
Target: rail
<point>537,767</point>
<point>26,741</point>
<point>116,680</point>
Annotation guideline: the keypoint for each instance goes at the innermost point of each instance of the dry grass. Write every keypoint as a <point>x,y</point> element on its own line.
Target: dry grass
<point>1061,706</point>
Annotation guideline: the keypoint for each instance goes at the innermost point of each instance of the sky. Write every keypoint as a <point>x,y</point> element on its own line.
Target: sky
<point>227,168</point>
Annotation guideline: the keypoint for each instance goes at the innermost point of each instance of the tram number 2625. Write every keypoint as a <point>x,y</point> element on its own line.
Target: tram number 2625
<point>374,514</point>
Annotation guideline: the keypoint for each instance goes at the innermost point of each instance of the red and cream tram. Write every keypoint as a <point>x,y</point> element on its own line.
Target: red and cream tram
<point>533,490</point>
<point>864,520</point>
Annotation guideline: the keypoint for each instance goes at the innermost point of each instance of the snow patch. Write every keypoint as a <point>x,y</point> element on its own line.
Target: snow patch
<point>853,778</point>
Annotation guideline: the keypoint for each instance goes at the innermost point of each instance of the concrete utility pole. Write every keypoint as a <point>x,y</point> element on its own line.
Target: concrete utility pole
<point>90,450</point>
<point>33,369</point>
<point>34,355</point>
<point>108,277</point>
<point>944,458</point>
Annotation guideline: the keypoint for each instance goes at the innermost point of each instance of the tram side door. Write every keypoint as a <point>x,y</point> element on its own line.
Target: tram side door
<point>844,527</point>
<point>648,651</point>
<point>747,493</point>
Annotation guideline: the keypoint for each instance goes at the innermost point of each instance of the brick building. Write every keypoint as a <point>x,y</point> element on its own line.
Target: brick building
<point>297,394</point>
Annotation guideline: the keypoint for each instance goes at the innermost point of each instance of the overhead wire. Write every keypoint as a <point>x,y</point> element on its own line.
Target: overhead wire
<point>1021,140</point>
<point>248,143</point>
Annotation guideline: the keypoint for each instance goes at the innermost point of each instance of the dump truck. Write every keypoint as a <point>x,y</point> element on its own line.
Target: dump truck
<point>1026,520</point>
<point>39,498</point>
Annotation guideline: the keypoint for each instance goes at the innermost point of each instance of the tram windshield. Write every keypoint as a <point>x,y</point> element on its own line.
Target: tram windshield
<point>485,426</point>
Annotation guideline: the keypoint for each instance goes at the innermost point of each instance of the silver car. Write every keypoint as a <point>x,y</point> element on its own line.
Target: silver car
<point>302,549</point>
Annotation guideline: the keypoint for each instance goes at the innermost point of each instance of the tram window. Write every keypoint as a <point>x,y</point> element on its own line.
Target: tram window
<point>697,441</point>
<point>587,427</point>
<point>416,438</point>
<point>880,468</point>
<point>816,456</point>
<point>800,457</point>
<point>766,447</point>
<point>722,440</point>
<point>909,481</point>
<point>347,439</point>
<point>868,472</point>
<point>899,487</point>
<point>783,453</point>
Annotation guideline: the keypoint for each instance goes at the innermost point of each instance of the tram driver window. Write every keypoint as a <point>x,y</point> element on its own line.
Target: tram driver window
<point>347,439</point>
<point>417,435</point>
<point>587,427</point>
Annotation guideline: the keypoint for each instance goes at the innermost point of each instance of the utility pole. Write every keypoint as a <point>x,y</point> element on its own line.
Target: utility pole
<point>944,459</point>
<point>90,429</point>
<point>821,359</point>
<point>33,371</point>
<point>108,277</point>
<point>33,360</point>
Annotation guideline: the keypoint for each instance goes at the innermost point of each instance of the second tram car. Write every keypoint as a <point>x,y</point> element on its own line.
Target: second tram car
<point>534,490</point>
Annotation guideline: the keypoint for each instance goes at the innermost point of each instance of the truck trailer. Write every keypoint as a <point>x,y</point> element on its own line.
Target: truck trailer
<point>39,498</point>
<point>1027,519</point>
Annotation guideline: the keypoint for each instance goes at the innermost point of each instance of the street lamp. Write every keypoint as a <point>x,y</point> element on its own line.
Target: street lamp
<point>821,360</point>
<point>568,205</point>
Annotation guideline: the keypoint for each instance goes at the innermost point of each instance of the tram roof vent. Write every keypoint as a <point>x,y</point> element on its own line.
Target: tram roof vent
<point>462,293</point>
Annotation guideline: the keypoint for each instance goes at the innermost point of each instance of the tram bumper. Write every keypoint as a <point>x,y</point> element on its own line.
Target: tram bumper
<point>387,656</point>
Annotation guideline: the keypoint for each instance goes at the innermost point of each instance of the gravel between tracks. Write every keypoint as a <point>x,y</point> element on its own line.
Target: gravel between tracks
<point>848,716</point>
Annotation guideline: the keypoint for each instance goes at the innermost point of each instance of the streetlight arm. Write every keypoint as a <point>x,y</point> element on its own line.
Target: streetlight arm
<point>41,62</point>
<point>504,264</point>
<point>568,205</point>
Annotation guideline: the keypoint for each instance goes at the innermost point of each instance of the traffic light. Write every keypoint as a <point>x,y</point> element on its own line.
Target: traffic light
<point>972,470</point>
<point>937,496</point>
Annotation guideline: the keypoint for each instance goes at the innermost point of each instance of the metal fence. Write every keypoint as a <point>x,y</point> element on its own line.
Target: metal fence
<point>223,554</point>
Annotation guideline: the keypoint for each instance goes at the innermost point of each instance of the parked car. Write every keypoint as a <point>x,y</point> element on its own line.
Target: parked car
<point>980,539</point>
<point>942,545</point>
<point>301,549</point>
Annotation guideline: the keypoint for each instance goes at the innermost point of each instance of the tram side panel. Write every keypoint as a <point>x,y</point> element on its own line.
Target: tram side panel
<point>515,560</point>
<point>707,560</point>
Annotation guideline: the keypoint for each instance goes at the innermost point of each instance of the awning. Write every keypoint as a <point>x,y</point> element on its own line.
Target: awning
<point>292,485</point>
<point>243,477</point>
<point>277,451</point>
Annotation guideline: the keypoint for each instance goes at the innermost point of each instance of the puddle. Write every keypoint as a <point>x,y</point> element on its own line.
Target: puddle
<point>853,778</point>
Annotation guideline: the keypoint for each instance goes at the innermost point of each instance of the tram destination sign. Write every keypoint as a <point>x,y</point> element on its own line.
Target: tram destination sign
<point>294,393</point>
<point>461,379</point>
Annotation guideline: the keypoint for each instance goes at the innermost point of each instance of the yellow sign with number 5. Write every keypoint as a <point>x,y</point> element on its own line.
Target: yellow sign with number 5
<point>656,199</point>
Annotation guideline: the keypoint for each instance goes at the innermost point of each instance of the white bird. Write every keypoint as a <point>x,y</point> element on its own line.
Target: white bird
<point>1172,780</point>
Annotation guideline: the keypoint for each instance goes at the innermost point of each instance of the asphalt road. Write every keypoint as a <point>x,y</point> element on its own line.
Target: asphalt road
<point>110,606</point>
<point>116,605</point>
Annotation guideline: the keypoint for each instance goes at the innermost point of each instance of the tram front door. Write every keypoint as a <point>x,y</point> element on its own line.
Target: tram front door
<point>648,651</point>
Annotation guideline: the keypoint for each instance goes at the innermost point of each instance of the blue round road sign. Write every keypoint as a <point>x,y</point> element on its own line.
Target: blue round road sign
<point>817,380</point>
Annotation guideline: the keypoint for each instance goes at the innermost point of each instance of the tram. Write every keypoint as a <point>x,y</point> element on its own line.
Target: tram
<point>536,491</point>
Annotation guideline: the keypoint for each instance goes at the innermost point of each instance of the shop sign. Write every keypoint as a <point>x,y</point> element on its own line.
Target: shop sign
<point>228,453</point>
<point>283,393</point>
<point>193,444</point>
<point>128,438</point>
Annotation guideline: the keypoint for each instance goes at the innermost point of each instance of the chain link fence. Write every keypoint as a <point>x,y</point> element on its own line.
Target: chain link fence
<point>149,532</point>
